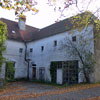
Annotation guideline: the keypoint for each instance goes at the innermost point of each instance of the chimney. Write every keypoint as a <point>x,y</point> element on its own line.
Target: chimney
<point>21,23</point>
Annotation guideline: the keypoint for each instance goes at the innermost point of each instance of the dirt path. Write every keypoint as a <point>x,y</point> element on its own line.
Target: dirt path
<point>29,90</point>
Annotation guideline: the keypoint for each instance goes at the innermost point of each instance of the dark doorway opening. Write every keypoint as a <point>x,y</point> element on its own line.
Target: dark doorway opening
<point>70,71</point>
<point>10,71</point>
<point>34,73</point>
<point>41,73</point>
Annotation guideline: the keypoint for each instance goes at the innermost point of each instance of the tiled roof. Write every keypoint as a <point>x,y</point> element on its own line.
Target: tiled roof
<point>16,34</point>
<point>57,28</point>
<point>33,34</point>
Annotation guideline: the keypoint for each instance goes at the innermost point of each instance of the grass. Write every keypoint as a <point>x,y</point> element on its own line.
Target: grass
<point>63,89</point>
<point>58,85</point>
<point>47,83</point>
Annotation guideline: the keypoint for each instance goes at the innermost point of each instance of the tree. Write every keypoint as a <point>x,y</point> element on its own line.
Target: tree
<point>72,7</point>
<point>81,47</point>
<point>3,31</point>
<point>82,50</point>
<point>20,6</point>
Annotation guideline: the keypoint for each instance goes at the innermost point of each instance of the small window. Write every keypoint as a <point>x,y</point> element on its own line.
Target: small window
<point>33,64</point>
<point>55,43</point>
<point>13,31</point>
<point>20,50</point>
<point>42,48</point>
<point>74,38</point>
<point>31,50</point>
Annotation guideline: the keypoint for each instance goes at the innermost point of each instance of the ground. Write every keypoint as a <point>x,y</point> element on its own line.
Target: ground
<point>37,91</point>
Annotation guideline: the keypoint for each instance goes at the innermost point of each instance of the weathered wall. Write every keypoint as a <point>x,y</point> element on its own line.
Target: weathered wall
<point>2,73</point>
<point>12,54</point>
<point>54,53</point>
<point>97,58</point>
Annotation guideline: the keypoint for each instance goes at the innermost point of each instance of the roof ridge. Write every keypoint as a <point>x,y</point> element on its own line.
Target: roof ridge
<point>16,22</point>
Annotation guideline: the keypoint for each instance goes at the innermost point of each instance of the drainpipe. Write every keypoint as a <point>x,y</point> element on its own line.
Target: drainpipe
<point>27,60</point>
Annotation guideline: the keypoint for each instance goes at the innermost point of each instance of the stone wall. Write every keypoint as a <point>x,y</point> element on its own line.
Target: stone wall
<point>97,58</point>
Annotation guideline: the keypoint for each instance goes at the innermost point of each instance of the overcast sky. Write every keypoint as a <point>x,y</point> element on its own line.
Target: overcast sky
<point>46,15</point>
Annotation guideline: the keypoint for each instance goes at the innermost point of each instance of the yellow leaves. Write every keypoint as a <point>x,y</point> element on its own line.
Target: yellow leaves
<point>10,90</point>
<point>17,3</point>
<point>80,28</point>
<point>54,0</point>
<point>28,6</point>
<point>6,3</point>
<point>34,9</point>
<point>8,8</point>
<point>81,20</point>
<point>97,27</point>
<point>3,7</point>
<point>19,6</point>
<point>96,21</point>
<point>94,98</point>
<point>23,17</point>
<point>3,30</point>
<point>16,93</point>
<point>12,7</point>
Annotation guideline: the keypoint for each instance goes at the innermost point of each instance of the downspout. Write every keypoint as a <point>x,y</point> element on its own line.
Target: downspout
<point>27,60</point>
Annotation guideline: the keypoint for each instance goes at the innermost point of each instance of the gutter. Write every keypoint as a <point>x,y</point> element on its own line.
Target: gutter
<point>27,60</point>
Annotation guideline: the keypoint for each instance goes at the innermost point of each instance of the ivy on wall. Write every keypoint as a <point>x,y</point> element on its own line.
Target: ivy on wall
<point>3,31</point>
<point>53,71</point>
<point>10,71</point>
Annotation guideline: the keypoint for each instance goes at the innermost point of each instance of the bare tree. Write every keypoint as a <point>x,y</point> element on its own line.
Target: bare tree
<point>81,48</point>
<point>69,8</point>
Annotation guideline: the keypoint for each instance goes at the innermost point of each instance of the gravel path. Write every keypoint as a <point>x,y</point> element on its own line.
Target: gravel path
<point>82,94</point>
<point>40,88</point>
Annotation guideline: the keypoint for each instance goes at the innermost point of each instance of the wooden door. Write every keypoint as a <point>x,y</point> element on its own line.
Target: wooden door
<point>41,73</point>
<point>34,73</point>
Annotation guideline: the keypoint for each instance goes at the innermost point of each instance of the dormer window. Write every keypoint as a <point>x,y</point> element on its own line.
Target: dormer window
<point>13,31</point>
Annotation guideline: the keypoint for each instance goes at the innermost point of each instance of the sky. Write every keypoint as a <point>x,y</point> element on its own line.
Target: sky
<point>47,16</point>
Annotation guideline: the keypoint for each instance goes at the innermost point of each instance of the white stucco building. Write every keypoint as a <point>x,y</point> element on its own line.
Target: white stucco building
<point>34,50</point>
<point>44,51</point>
<point>15,47</point>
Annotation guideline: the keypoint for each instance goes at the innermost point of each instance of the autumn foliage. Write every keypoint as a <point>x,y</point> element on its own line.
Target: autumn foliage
<point>11,92</point>
<point>20,6</point>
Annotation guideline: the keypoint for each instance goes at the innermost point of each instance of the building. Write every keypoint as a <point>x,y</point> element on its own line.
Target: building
<point>36,49</point>
<point>15,47</point>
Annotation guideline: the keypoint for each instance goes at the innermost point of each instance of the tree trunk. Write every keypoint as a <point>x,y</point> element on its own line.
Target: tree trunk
<point>85,75</point>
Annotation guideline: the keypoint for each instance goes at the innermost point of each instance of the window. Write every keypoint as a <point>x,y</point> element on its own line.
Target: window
<point>20,50</point>
<point>31,50</point>
<point>55,43</point>
<point>74,38</point>
<point>13,31</point>
<point>42,48</point>
<point>70,71</point>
